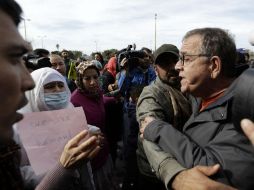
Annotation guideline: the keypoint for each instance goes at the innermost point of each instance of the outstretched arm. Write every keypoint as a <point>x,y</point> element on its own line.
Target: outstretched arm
<point>163,163</point>
<point>80,148</point>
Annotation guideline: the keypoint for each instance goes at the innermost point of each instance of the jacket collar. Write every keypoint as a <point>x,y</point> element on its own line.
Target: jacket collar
<point>217,111</point>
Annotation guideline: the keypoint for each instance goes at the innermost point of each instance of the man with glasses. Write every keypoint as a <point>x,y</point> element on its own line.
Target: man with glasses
<point>206,68</point>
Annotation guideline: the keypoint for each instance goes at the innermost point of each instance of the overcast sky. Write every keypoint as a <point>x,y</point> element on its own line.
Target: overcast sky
<point>90,25</point>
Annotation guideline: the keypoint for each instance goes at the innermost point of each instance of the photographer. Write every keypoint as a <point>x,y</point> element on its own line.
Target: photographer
<point>135,70</point>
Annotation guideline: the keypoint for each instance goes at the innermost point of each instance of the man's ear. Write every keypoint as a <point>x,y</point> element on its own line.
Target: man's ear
<point>215,66</point>
<point>156,68</point>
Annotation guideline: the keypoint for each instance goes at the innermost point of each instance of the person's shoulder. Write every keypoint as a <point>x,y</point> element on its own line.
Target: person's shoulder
<point>148,89</point>
<point>157,87</point>
<point>75,94</point>
<point>151,91</point>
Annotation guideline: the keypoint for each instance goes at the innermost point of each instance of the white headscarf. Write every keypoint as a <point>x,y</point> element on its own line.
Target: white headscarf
<point>35,97</point>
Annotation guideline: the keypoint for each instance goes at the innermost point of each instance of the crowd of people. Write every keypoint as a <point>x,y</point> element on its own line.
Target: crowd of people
<point>183,116</point>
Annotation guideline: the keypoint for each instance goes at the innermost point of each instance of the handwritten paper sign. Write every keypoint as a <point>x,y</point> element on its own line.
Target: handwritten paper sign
<point>44,135</point>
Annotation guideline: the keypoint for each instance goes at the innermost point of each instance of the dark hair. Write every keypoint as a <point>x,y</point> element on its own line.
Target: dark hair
<point>101,57</point>
<point>217,42</point>
<point>147,50</point>
<point>64,50</point>
<point>13,9</point>
<point>40,52</point>
<point>240,58</point>
<point>55,52</point>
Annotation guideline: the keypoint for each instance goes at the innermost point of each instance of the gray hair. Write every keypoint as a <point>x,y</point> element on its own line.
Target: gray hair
<point>217,42</point>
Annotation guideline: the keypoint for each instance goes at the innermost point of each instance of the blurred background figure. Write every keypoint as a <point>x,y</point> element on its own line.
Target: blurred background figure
<point>57,63</point>
<point>98,56</point>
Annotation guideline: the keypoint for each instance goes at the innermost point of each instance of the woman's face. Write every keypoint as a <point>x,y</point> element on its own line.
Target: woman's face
<point>54,87</point>
<point>97,57</point>
<point>91,80</point>
<point>55,95</point>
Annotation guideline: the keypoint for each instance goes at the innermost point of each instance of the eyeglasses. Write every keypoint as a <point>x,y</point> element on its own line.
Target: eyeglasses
<point>185,60</point>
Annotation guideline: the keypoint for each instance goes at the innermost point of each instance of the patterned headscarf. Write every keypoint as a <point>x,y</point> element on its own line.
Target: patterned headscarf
<point>81,68</point>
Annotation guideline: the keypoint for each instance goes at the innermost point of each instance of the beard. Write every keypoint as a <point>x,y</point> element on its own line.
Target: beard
<point>172,78</point>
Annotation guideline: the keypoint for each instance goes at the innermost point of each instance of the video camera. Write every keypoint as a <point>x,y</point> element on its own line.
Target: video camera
<point>131,55</point>
<point>34,62</point>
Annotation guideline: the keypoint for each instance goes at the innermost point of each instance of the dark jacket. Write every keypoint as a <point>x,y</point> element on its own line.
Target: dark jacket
<point>163,102</point>
<point>209,137</point>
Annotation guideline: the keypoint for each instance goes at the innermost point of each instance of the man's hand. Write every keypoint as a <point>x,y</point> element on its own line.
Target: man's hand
<point>144,123</point>
<point>248,128</point>
<point>197,179</point>
<point>76,150</point>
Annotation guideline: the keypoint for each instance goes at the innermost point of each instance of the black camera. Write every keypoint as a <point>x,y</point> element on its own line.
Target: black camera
<point>131,55</point>
<point>34,62</point>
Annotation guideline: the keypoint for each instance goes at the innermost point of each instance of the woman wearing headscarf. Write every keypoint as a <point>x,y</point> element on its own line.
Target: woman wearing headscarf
<point>90,97</point>
<point>52,93</point>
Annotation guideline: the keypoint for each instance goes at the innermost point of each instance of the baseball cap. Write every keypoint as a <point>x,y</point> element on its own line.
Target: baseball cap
<point>166,49</point>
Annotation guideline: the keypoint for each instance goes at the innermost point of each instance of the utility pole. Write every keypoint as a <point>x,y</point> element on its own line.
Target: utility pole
<point>155,20</point>
<point>57,47</point>
<point>25,19</point>
<point>42,40</point>
<point>96,46</point>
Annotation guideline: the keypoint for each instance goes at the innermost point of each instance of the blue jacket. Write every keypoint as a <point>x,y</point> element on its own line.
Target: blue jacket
<point>135,77</point>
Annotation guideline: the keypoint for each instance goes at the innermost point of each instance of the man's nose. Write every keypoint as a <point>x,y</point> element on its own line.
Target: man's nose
<point>58,67</point>
<point>179,65</point>
<point>26,80</point>
<point>92,81</point>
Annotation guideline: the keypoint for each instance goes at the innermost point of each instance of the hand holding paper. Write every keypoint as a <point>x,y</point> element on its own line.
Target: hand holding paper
<point>74,151</point>
<point>45,134</point>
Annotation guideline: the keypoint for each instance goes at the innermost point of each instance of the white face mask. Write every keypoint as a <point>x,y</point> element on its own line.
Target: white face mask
<point>56,101</point>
